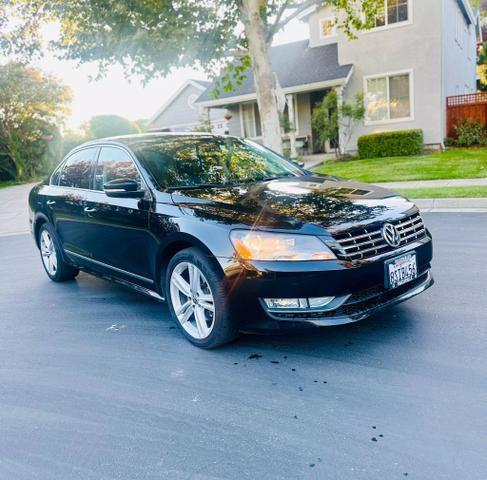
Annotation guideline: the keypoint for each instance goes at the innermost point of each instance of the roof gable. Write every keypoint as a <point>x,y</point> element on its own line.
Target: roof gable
<point>199,84</point>
<point>295,64</point>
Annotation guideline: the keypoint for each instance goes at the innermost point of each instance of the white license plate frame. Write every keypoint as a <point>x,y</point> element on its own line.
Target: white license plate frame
<point>400,270</point>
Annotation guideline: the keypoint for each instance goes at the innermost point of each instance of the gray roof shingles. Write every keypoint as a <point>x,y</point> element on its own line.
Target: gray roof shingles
<point>295,64</point>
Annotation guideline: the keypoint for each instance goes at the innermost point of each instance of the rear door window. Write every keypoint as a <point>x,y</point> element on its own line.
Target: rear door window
<point>78,169</point>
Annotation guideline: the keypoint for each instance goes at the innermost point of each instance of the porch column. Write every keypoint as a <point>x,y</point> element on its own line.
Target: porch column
<point>292,124</point>
<point>207,118</point>
<point>341,148</point>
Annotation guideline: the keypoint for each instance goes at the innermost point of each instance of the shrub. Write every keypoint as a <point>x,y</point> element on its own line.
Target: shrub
<point>391,144</point>
<point>470,132</point>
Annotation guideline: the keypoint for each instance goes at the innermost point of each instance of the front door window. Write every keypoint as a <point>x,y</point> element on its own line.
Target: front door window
<point>115,164</point>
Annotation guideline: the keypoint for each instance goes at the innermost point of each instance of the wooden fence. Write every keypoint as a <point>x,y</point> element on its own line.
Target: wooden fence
<point>472,106</point>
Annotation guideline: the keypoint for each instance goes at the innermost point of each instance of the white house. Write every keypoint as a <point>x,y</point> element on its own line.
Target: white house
<point>181,113</point>
<point>418,53</point>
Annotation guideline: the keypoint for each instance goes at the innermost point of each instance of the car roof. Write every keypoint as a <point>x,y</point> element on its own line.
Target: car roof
<point>132,140</point>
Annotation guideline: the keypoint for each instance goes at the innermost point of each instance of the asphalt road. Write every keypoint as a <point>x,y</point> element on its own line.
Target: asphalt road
<point>96,383</point>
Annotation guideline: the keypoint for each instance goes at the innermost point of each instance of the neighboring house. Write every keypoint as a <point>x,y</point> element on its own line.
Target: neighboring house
<point>181,114</point>
<point>419,52</point>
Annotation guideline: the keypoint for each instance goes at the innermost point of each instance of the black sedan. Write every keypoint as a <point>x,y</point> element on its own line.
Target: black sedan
<point>233,236</point>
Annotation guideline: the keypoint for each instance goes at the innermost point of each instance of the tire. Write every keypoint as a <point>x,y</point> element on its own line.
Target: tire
<point>199,324</point>
<point>54,265</point>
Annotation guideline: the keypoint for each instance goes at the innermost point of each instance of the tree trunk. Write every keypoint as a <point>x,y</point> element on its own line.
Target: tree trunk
<point>263,74</point>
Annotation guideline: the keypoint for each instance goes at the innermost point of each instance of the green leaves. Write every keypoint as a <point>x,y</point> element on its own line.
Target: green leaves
<point>331,117</point>
<point>325,119</point>
<point>150,37</point>
<point>32,107</point>
<point>233,75</point>
<point>102,126</point>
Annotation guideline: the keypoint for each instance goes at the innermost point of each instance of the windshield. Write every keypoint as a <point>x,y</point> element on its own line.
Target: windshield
<point>191,161</point>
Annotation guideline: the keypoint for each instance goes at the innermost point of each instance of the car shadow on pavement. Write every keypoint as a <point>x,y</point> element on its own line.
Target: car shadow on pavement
<point>394,323</point>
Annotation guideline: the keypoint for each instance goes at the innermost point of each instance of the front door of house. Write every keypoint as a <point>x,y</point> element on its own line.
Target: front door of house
<point>315,98</point>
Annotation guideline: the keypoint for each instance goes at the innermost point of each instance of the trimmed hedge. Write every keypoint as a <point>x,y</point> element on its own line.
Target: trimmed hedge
<point>391,144</point>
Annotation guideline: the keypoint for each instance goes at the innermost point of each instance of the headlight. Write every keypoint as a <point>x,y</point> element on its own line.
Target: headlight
<point>281,247</point>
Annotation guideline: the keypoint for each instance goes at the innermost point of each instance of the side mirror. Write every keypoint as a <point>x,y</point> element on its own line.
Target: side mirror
<point>123,188</point>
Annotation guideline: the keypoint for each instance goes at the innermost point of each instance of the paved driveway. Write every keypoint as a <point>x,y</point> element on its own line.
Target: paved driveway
<point>14,217</point>
<point>96,383</point>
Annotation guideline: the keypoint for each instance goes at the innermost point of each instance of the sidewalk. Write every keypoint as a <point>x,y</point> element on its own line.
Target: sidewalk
<point>14,216</point>
<point>463,182</point>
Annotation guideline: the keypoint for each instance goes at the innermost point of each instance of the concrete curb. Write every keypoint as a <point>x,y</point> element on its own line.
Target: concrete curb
<point>452,205</point>
<point>460,182</point>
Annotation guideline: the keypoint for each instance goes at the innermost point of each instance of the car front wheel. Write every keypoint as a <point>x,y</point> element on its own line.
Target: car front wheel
<point>197,299</point>
<point>54,265</point>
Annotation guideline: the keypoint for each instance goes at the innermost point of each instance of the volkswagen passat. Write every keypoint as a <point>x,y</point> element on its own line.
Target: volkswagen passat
<point>233,236</point>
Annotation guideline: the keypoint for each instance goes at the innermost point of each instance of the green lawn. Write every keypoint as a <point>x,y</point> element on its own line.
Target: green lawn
<point>445,192</point>
<point>9,184</point>
<point>453,163</point>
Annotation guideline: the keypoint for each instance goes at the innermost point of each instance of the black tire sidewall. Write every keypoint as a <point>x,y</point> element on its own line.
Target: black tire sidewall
<point>224,328</point>
<point>64,270</point>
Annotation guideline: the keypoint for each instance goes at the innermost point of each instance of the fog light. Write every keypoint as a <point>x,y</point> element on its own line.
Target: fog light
<point>320,301</point>
<point>286,303</point>
<point>297,303</point>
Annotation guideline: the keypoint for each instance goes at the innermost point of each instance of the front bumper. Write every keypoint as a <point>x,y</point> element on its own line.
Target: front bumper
<point>360,305</point>
<point>359,284</point>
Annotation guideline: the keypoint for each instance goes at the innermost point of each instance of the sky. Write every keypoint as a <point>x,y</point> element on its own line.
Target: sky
<point>114,94</point>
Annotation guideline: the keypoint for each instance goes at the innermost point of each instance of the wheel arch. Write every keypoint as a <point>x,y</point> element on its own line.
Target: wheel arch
<point>39,220</point>
<point>180,242</point>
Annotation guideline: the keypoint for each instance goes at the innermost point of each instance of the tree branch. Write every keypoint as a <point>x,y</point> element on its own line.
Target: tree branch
<point>299,8</point>
<point>272,29</point>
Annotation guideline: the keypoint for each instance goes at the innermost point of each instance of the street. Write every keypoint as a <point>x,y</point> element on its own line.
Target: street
<point>96,382</point>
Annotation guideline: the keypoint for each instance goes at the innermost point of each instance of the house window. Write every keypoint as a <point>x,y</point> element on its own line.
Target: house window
<point>388,97</point>
<point>327,27</point>
<point>393,11</point>
<point>250,120</point>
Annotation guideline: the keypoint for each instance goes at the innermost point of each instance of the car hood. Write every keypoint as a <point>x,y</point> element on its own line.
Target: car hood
<point>307,203</point>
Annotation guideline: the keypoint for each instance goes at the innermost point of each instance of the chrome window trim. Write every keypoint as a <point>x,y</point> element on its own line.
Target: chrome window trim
<point>99,147</point>
<point>132,157</point>
<point>67,157</point>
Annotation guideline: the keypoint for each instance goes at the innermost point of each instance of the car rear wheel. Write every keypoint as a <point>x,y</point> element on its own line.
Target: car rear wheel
<point>54,265</point>
<point>197,300</point>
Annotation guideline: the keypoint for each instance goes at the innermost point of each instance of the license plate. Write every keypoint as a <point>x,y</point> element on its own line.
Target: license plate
<point>400,270</point>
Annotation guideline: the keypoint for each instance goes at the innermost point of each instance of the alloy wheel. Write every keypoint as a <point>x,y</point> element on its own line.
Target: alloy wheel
<point>192,300</point>
<point>48,253</point>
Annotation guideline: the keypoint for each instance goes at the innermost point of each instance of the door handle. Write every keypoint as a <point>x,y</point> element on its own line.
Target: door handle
<point>49,203</point>
<point>90,210</point>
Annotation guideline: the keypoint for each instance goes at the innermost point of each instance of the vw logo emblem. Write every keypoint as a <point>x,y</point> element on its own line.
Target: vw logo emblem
<point>391,235</point>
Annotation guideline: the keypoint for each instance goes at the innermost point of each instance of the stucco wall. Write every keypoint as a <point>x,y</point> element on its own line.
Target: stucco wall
<point>315,38</point>
<point>233,125</point>
<point>414,46</point>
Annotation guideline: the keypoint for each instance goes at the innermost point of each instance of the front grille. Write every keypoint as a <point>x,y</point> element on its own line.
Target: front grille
<point>368,242</point>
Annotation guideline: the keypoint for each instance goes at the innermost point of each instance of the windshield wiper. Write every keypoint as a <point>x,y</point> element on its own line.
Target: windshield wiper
<point>275,177</point>
<point>199,185</point>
